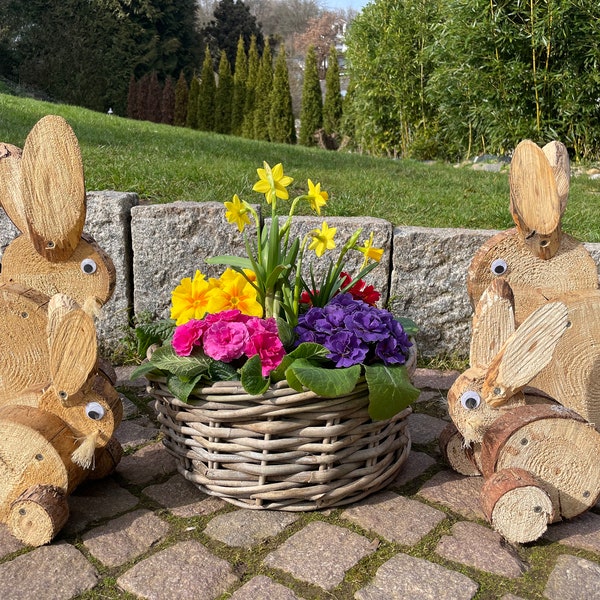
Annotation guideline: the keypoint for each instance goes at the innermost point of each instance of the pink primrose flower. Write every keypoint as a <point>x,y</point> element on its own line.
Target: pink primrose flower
<point>187,336</point>
<point>225,340</point>
<point>264,341</point>
<point>227,315</point>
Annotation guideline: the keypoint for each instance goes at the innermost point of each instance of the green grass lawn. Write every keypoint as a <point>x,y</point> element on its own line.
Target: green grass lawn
<point>164,164</point>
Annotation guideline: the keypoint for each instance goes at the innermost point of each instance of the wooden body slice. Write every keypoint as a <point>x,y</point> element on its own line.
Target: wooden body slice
<point>24,355</point>
<point>463,459</point>
<point>556,446</point>
<point>35,449</point>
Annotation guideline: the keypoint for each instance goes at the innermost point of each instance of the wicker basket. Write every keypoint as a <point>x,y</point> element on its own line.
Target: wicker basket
<point>283,450</point>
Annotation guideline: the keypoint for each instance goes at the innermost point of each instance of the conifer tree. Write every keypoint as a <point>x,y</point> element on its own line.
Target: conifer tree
<point>206,95</point>
<point>281,117</point>
<point>262,95</point>
<point>223,96</point>
<point>311,114</point>
<point>154,99</point>
<point>132,98</point>
<point>142,97</point>
<point>167,104</point>
<point>251,82</point>
<point>239,88</point>
<point>181,101</point>
<point>191,119</point>
<point>332,106</point>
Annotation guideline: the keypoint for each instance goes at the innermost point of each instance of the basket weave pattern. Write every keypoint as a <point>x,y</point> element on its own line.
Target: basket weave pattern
<point>284,450</point>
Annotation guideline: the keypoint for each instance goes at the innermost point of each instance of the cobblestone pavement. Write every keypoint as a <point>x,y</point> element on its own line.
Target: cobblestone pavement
<point>145,532</point>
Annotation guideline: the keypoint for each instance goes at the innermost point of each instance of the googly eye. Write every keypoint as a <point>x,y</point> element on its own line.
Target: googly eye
<point>88,266</point>
<point>94,410</point>
<point>470,400</point>
<point>499,267</point>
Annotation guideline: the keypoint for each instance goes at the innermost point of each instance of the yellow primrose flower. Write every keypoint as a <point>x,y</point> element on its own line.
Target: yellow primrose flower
<point>237,213</point>
<point>370,252</point>
<point>316,197</point>
<point>232,290</point>
<point>272,183</point>
<point>322,239</point>
<point>190,299</point>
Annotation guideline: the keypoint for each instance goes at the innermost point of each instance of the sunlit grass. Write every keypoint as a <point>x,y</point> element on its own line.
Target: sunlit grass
<point>164,164</point>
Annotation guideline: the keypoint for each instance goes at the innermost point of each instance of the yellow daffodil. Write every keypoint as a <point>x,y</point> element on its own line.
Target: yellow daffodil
<point>191,299</point>
<point>322,239</point>
<point>272,183</point>
<point>233,291</point>
<point>370,252</point>
<point>316,197</point>
<point>237,213</point>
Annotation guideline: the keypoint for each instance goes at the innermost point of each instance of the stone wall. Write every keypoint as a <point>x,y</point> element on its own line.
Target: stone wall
<point>422,274</point>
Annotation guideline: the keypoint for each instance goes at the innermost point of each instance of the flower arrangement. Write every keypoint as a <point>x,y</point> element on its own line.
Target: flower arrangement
<point>262,321</point>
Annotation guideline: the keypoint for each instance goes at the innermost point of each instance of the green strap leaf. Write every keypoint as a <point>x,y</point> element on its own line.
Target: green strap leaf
<point>390,390</point>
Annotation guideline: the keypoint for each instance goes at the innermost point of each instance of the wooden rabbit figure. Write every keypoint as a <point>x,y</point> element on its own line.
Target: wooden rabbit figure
<point>542,264</point>
<point>539,459</point>
<point>61,433</point>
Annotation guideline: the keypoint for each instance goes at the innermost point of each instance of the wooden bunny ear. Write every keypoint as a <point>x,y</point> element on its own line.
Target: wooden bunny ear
<point>526,352</point>
<point>493,322</point>
<point>73,346</point>
<point>10,185</point>
<point>534,200</point>
<point>558,157</point>
<point>53,188</point>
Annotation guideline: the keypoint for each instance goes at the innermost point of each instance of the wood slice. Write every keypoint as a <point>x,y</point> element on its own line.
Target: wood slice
<point>21,263</point>
<point>556,446</point>
<point>24,356</point>
<point>10,185</point>
<point>53,188</point>
<point>460,457</point>
<point>38,514</point>
<point>558,158</point>
<point>533,281</point>
<point>572,377</point>
<point>525,353</point>
<point>34,450</point>
<point>534,201</point>
<point>516,506</point>
<point>493,323</point>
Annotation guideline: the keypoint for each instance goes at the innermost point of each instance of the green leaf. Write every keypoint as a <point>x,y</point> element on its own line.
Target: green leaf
<point>141,370</point>
<point>182,388</point>
<point>166,359</point>
<point>324,382</point>
<point>307,350</point>
<point>285,332</point>
<point>408,325</point>
<point>390,390</point>
<point>220,371</point>
<point>153,333</point>
<point>251,376</point>
<point>233,261</point>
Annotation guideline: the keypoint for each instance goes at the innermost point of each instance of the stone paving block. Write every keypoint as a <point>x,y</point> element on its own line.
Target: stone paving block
<point>183,571</point>
<point>457,492</point>
<point>146,464</point>
<point>130,410</point>
<point>582,532</point>
<point>406,578</point>
<point>264,587</point>
<point>246,528</point>
<point>126,537</point>
<point>395,517</point>
<point>425,428</point>
<point>479,547</point>
<point>55,572</point>
<point>573,579</point>
<point>8,542</point>
<point>97,500</point>
<point>416,464</point>
<point>511,597</point>
<point>327,553</point>
<point>433,379</point>
<point>183,498</point>
<point>136,432</point>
